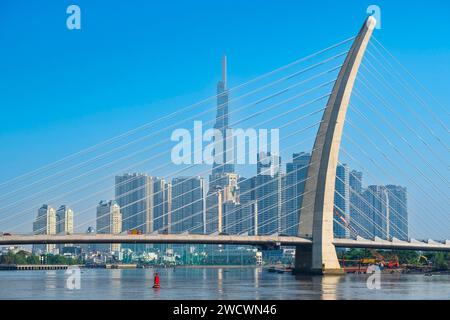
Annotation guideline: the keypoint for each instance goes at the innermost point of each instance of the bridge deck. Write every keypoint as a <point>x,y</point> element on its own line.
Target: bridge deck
<point>269,240</point>
<point>154,238</point>
<point>393,245</point>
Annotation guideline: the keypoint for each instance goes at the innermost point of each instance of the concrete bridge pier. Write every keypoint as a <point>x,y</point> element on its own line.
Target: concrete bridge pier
<point>303,260</point>
<point>304,263</point>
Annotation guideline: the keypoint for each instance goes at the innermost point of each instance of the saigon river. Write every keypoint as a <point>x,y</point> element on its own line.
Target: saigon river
<point>216,283</point>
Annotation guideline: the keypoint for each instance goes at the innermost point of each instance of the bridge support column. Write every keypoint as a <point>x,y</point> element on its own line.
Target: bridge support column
<point>316,217</point>
<point>303,260</point>
<point>304,263</point>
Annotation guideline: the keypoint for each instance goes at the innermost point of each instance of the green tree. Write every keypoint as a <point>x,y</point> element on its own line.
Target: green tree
<point>440,261</point>
<point>33,259</point>
<point>7,258</point>
<point>20,257</point>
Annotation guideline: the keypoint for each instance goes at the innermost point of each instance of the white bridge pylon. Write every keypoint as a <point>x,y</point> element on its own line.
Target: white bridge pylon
<point>316,219</point>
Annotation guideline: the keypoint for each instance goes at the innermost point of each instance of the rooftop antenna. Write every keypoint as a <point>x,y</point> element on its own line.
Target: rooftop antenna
<point>224,71</point>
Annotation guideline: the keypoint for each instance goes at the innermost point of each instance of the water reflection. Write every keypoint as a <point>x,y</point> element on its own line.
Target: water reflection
<point>220,280</point>
<point>216,283</point>
<point>329,285</point>
<point>51,279</point>
<point>256,275</point>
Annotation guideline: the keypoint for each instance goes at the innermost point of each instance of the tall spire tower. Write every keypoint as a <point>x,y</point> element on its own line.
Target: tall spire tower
<point>223,160</point>
<point>223,180</point>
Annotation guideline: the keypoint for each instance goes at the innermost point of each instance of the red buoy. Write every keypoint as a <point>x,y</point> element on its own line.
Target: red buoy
<point>156,283</point>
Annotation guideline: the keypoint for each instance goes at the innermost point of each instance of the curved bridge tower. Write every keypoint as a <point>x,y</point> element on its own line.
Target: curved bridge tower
<point>316,218</point>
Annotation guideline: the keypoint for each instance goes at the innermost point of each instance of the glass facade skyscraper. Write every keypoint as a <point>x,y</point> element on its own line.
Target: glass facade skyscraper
<point>249,207</point>
<point>223,189</point>
<point>342,202</point>
<point>161,203</point>
<point>358,218</point>
<point>268,193</point>
<point>187,205</point>
<point>398,212</point>
<point>133,194</point>
<point>376,209</point>
<point>296,173</point>
<point>223,160</point>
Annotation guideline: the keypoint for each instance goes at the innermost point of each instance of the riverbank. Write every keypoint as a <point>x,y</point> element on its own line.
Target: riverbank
<point>218,266</point>
<point>34,266</point>
<point>113,266</point>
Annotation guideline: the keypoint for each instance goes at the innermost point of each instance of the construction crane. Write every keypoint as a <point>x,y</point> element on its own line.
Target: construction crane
<point>422,260</point>
<point>393,263</point>
<point>346,223</point>
<point>377,255</point>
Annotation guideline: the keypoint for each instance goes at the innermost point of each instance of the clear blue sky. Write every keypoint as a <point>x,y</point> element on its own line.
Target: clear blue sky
<point>134,61</point>
<point>58,85</point>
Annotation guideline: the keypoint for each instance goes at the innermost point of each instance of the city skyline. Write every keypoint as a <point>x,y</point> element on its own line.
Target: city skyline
<point>192,191</point>
<point>271,199</point>
<point>211,203</point>
<point>213,158</point>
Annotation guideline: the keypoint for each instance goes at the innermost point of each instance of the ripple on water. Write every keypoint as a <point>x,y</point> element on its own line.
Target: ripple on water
<point>216,283</point>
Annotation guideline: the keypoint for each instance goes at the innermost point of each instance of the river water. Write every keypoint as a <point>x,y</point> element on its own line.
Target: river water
<point>216,283</point>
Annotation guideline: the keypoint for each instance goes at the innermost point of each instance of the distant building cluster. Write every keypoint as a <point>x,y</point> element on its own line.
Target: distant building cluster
<point>269,202</point>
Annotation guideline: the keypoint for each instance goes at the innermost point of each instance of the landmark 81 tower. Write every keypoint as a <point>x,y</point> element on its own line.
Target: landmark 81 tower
<point>223,152</point>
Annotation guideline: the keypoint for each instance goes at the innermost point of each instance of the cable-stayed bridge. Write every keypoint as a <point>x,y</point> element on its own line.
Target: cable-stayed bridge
<point>306,214</point>
<point>269,241</point>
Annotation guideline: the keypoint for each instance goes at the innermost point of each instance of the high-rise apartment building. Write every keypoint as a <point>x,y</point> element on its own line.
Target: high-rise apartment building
<point>249,207</point>
<point>342,202</point>
<point>187,205</point>
<point>358,217</point>
<point>398,212</point>
<point>109,221</point>
<point>268,193</point>
<point>376,210</point>
<point>247,189</point>
<point>214,211</point>
<point>296,173</point>
<point>144,202</point>
<point>45,223</point>
<point>64,220</point>
<point>64,224</point>
<point>133,194</point>
<point>161,203</point>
